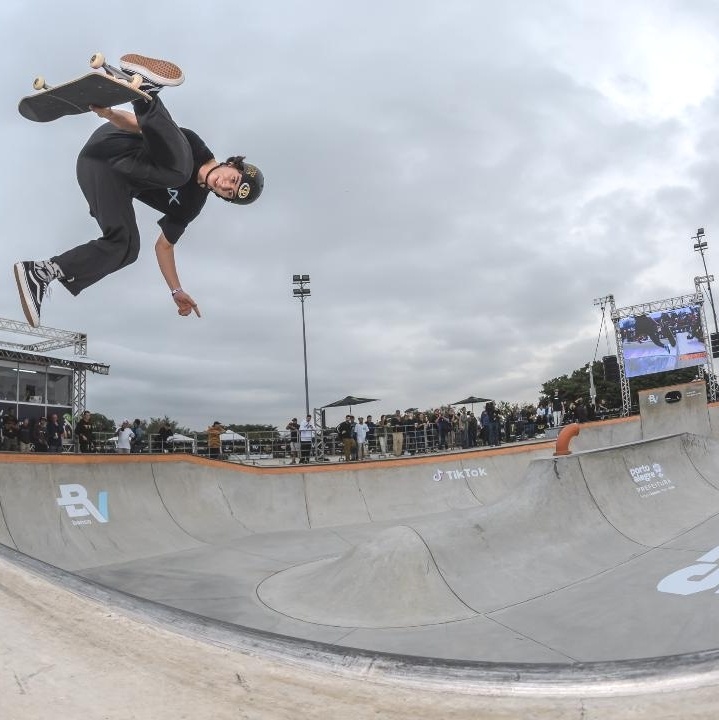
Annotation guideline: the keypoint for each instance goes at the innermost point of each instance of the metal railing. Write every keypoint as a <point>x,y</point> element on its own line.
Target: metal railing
<point>326,444</point>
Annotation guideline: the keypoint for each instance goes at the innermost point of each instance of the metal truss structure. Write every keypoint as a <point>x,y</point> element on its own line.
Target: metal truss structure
<point>46,340</point>
<point>674,303</point>
<point>709,376</point>
<point>318,421</point>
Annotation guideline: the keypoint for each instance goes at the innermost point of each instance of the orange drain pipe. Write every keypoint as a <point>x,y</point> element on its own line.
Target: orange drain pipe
<point>565,437</point>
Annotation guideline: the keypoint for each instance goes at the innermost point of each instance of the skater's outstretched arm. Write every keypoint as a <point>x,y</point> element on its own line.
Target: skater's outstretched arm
<point>165,252</point>
<point>119,118</point>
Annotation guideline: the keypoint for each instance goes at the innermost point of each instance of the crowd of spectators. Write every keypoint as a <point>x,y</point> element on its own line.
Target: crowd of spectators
<point>45,434</point>
<point>54,434</point>
<point>409,432</point>
<point>413,431</point>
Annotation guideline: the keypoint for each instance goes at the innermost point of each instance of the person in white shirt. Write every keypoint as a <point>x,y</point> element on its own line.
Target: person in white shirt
<point>307,433</point>
<point>360,431</point>
<point>125,436</point>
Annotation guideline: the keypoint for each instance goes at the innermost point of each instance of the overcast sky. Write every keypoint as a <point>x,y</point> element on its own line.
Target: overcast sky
<point>460,179</point>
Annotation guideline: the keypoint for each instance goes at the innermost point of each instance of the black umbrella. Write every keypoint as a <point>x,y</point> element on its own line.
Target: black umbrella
<point>349,401</point>
<point>471,400</point>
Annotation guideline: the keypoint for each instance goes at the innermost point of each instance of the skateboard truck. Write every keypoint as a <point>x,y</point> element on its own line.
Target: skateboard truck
<point>97,61</point>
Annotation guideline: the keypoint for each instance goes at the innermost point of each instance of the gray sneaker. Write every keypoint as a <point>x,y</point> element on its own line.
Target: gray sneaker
<point>157,73</point>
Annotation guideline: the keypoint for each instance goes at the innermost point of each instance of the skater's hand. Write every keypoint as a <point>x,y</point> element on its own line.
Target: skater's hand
<point>103,112</point>
<point>185,304</point>
<point>119,118</point>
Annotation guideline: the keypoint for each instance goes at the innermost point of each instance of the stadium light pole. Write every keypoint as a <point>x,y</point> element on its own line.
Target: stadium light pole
<point>301,292</point>
<point>700,245</point>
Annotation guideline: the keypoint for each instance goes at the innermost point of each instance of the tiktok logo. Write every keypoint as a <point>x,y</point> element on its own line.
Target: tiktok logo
<point>459,474</point>
<point>78,505</point>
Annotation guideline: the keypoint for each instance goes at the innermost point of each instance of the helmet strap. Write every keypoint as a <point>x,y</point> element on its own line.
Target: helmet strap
<point>209,172</point>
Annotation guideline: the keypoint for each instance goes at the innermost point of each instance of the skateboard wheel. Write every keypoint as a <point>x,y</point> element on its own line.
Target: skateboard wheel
<point>136,81</point>
<point>39,83</point>
<point>97,60</point>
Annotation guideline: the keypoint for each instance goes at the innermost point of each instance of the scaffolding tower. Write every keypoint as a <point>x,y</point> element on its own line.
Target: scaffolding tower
<point>46,340</point>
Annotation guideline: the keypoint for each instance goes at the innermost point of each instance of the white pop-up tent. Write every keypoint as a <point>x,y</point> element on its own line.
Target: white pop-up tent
<point>231,436</point>
<point>178,439</point>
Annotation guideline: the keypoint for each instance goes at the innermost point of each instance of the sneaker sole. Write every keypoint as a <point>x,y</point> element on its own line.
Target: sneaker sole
<point>161,72</point>
<point>28,308</point>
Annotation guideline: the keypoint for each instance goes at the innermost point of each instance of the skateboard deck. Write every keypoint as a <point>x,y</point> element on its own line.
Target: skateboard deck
<point>75,97</point>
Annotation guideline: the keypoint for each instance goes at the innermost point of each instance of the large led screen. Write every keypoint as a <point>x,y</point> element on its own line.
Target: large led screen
<point>662,341</point>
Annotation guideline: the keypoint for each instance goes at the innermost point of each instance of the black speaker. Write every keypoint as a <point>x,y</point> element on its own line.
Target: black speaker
<point>611,368</point>
<point>715,344</point>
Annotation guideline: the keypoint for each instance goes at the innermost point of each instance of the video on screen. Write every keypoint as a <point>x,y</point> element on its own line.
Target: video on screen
<point>662,341</point>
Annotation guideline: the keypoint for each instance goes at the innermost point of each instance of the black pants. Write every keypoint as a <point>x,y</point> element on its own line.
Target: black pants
<point>112,168</point>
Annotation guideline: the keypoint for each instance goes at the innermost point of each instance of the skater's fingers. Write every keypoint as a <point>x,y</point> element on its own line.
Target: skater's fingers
<point>187,308</point>
<point>102,112</point>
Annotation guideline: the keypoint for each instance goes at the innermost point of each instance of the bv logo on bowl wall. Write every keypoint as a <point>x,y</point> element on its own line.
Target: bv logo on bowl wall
<point>703,575</point>
<point>77,504</point>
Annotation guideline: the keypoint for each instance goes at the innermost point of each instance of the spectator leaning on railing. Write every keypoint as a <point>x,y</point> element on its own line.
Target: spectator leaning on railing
<point>40,435</point>
<point>138,442</point>
<point>84,433</point>
<point>163,435</point>
<point>345,431</point>
<point>360,434</point>
<point>9,431</point>
<point>307,434</point>
<point>397,424</point>
<point>25,435</point>
<point>214,441</point>
<point>125,437</point>
<point>294,427</point>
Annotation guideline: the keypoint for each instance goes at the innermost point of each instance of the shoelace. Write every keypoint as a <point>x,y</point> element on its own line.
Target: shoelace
<point>43,272</point>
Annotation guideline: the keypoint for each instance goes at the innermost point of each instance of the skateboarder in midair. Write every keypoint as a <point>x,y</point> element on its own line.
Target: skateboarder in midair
<point>144,155</point>
<point>645,325</point>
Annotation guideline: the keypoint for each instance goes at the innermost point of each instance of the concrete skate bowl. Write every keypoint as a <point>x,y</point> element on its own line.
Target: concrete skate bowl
<point>507,572</point>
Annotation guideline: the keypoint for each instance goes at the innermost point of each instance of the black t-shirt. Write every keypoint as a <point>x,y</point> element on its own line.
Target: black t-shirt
<point>84,429</point>
<point>344,429</point>
<point>181,205</point>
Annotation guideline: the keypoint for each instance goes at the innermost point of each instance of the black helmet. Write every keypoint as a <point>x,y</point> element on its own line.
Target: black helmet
<point>252,181</point>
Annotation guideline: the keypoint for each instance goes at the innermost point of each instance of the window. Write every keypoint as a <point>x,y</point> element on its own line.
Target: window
<point>59,387</point>
<point>8,382</point>
<point>31,383</point>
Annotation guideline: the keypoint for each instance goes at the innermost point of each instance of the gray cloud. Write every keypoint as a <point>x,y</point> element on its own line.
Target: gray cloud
<point>460,179</point>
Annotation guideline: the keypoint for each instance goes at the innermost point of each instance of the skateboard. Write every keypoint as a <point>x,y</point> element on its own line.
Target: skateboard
<point>669,334</point>
<point>106,88</point>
